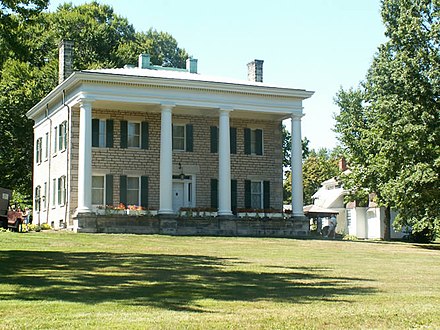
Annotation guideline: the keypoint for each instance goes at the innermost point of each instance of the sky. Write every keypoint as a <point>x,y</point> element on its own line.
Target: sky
<point>317,45</point>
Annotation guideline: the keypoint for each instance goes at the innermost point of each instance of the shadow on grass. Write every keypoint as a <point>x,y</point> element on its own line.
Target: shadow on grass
<point>162,280</point>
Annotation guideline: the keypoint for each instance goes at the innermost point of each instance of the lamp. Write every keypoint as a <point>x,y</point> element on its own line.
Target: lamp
<point>181,175</point>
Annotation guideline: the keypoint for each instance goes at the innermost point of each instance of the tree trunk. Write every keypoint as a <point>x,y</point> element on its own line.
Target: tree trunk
<point>387,224</point>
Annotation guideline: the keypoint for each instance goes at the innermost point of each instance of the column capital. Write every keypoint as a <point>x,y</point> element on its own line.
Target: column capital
<point>225,109</point>
<point>297,116</point>
<point>167,106</point>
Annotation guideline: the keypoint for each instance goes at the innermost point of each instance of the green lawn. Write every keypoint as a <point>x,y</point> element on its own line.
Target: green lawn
<point>84,281</point>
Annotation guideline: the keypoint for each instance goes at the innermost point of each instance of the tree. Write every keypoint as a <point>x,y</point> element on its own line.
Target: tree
<point>12,14</point>
<point>390,124</point>
<point>29,69</point>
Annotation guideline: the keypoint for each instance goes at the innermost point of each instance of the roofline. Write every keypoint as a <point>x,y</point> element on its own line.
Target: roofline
<point>226,87</point>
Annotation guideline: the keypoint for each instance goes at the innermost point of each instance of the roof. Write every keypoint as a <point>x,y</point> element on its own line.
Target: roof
<point>318,211</point>
<point>179,75</point>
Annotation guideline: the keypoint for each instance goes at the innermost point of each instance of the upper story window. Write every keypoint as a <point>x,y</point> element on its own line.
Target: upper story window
<point>62,136</point>
<point>215,139</point>
<point>39,150</point>
<point>253,141</point>
<point>46,150</point>
<point>179,137</point>
<point>55,140</point>
<point>134,134</point>
<point>183,137</point>
<point>102,133</point>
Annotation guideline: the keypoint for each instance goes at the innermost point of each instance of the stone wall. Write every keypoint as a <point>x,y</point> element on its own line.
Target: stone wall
<point>90,223</point>
<point>118,161</point>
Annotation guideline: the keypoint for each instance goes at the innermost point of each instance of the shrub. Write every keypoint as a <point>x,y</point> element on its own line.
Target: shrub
<point>45,226</point>
<point>350,238</point>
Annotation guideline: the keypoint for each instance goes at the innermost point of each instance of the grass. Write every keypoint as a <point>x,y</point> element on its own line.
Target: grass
<point>54,280</point>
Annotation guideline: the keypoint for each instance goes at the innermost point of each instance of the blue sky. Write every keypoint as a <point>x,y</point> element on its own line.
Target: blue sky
<point>318,45</point>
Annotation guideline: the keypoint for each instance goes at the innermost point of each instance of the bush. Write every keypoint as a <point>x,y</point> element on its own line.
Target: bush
<point>45,226</point>
<point>427,235</point>
<point>350,238</point>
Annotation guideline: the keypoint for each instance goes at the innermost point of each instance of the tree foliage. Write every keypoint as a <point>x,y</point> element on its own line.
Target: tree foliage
<point>390,124</point>
<point>29,62</point>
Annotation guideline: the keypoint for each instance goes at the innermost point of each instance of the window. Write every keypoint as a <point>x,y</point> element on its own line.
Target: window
<point>253,141</point>
<point>215,139</point>
<point>61,190</point>
<point>102,133</point>
<point>256,194</point>
<point>55,138</point>
<point>37,198</point>
<point>46,150</point>
<point>44,196</point>
<point>134,135</point>
<point>133,190</point>
<point>179,137</point>
<point>98,190</point>
<point>38,150</point>
<point>54,189</point>
<point>62,136</point>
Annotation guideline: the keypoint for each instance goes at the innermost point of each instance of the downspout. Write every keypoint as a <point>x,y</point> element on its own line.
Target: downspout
<point>49,155</point>
<point>69,149</point>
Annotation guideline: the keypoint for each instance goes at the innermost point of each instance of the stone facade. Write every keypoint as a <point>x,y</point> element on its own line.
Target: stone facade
<point>118,161</point>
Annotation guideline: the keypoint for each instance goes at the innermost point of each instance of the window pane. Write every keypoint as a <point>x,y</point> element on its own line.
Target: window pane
<point>101,133</point>
<point>134,135</point>
<point>98,190</point>
<point>178,137</point>
<point>132,191</point>
<point>256,195</point>
<point>253,142</point>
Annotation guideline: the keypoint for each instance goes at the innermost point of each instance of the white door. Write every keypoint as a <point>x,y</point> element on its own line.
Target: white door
<point>178,196</point>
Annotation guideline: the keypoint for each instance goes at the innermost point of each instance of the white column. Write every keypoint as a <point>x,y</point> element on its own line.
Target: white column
<point>224,165</point>
<point>166,161</point>
<point>85,157</point>
<point>297,176</point>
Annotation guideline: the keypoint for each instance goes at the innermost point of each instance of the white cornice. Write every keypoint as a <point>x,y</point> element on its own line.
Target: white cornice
<point>179,85</point>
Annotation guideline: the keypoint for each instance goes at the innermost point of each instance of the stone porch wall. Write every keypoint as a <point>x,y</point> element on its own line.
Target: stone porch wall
<point>90,223</point>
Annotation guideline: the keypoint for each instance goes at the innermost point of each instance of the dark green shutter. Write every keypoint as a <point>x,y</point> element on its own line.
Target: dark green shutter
<point>247,194</point>
<point>109,133</point>
<point>124,134</point>
<point>233,137</point>
<point>258,141</point>
<point>234,196</point>
<point>247,141</point>
<point>189,137</point>
<point>144,191</point>
<point>144,137</point>
<point>123,189</point>
<point>214,193</point>
<point>214,139</point>
<point>266,195</point>
<point>95,132</point>
<point>109,189</point>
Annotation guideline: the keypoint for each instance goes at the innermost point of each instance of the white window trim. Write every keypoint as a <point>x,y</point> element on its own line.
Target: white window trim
<point>54,193</point>
<point>61,191</point>
<point>253,138</point>
<point>39,151</point>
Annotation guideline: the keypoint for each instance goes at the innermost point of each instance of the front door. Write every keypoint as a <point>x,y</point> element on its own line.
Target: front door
<point>178,196</point>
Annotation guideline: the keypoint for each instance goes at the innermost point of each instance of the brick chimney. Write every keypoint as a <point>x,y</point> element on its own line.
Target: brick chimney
<point>342,164</point>
<point>65,54</point>
<point>191,65</point>
<point>255,71</point>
